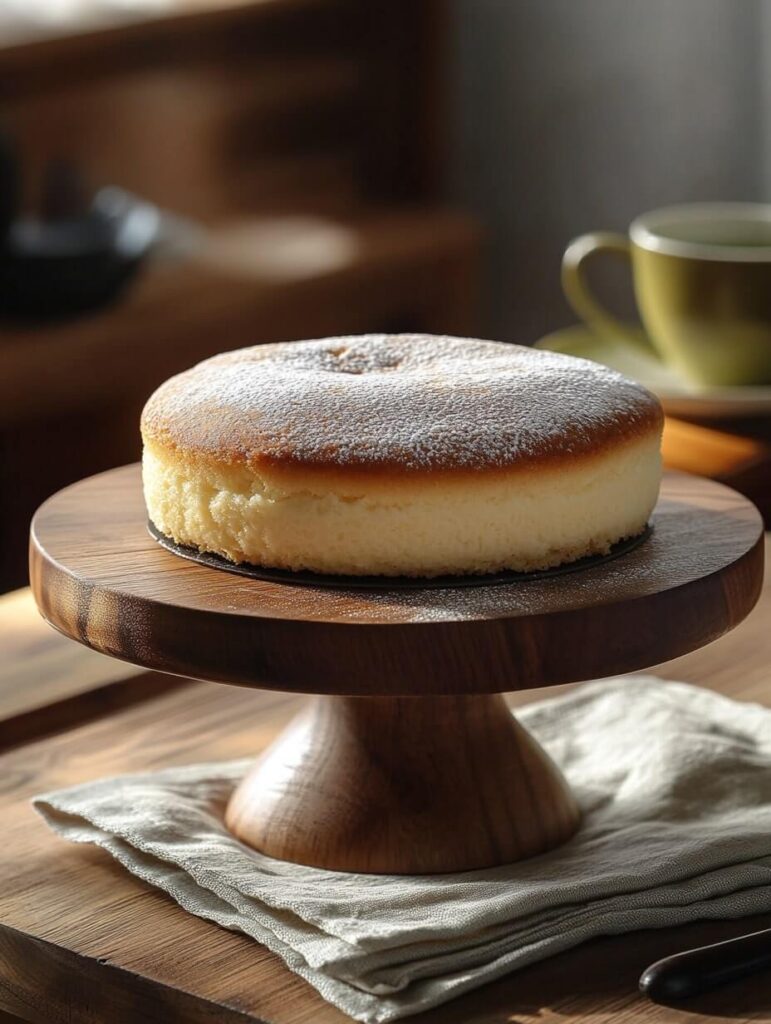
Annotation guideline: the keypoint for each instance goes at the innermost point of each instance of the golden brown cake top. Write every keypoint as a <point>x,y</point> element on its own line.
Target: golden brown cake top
<point>407,402</point>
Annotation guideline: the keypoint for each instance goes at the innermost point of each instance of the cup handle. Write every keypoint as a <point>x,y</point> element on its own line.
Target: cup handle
<point>577,291</point>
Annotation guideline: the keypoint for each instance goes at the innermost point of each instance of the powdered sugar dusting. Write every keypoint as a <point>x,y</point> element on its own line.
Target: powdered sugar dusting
<point>416,401</point>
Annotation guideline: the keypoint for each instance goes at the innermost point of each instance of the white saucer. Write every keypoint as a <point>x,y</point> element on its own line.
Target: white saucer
<point>678,397</point>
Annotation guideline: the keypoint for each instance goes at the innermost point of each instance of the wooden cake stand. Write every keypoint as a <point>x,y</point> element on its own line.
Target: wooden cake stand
<point>409,761</point>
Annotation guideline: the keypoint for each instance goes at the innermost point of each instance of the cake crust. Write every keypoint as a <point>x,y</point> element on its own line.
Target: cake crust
<point>396,405</point>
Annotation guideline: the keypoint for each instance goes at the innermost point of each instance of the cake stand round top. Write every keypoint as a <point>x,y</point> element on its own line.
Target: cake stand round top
<point>100,578</point>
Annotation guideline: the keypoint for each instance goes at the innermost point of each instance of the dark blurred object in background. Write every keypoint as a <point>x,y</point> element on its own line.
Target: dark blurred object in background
<point>76,254</point>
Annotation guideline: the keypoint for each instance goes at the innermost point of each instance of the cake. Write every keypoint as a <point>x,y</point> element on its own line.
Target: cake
<point>400,455</point>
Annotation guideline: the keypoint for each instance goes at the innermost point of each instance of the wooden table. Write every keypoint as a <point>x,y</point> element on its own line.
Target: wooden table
<point>83,942</point>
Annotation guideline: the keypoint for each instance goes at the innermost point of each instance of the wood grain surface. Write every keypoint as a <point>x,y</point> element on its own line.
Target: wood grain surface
<point>83,942</point>
<point>49,684</point>
<point>404,785</point>
<point>100,578</point>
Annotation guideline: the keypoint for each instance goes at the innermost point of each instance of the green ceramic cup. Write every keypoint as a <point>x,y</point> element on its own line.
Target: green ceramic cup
<point>702,280</point>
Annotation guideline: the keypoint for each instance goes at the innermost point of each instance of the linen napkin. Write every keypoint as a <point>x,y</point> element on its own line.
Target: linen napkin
<point>675,785</point>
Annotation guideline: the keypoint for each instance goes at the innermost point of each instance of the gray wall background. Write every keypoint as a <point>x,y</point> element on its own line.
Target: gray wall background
<point>572,115</point>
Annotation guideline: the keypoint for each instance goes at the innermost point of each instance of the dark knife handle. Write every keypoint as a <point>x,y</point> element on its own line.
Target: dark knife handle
<point>699,970</point>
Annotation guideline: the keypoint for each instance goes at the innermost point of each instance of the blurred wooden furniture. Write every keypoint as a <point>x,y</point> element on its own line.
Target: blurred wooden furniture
<point>82,941</point>
<point>304,135</point>
<point>213,108</point>
<point>736,453</point>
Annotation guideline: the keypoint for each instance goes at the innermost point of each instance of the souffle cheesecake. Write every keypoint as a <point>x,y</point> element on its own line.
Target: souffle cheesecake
<point>400,455</point>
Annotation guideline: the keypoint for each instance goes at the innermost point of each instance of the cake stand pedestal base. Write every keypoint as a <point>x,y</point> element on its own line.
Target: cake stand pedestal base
<point>404,785</point>
<point>408,761</point>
